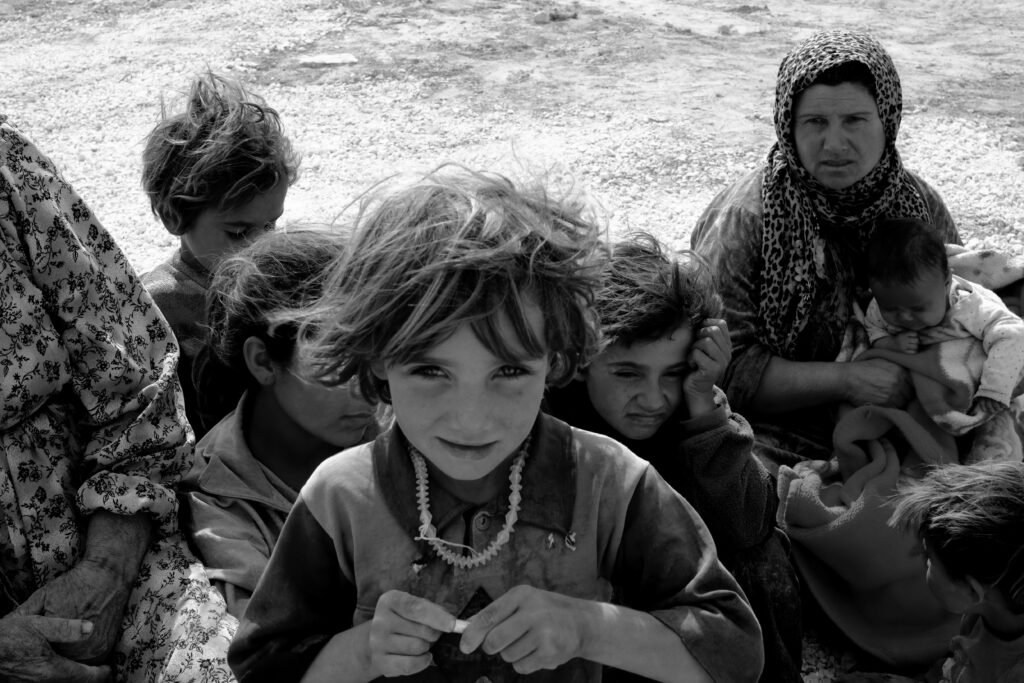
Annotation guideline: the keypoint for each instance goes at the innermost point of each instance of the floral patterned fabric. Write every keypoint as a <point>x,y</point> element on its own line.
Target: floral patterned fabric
<point>91,416</point>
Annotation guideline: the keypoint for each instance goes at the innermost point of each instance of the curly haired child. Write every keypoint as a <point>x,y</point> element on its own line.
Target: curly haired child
<point>970,519</point>
<point>653,388</point>
<point>279,424</point>
<point>216,175</point>
<point>479,539</point>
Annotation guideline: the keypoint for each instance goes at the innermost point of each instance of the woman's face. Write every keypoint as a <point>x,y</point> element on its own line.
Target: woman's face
<point>838,134</point>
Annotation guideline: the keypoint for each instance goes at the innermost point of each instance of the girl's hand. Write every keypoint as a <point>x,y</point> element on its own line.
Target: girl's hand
<point>709,358</point>
<point>984,405</point>
<point>532,629</point>
<point>403,629</point>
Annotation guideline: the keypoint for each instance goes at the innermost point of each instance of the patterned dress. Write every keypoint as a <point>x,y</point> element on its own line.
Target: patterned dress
<point>91,418</point>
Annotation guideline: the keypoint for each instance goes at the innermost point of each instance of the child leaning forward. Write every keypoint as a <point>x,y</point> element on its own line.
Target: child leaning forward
<point>477,538</point>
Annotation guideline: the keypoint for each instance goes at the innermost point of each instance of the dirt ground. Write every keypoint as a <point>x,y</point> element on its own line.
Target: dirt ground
<point>650,105</point>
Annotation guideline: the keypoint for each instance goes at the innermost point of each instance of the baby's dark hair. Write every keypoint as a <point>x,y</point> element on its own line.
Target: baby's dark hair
<point>902,250</point>
<point>224,149</point>
<point>647,294</point>
<point>281,271</point>
<point>456,247</point>
<point>972,518</point>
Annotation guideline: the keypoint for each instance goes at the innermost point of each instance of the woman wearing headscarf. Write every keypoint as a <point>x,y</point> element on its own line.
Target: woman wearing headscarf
<point>787,242</point>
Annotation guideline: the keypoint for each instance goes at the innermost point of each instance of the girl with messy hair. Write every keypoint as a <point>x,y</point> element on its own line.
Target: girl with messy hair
<point>279,422</point>
<point>216,174</point>
<point>478,538</point>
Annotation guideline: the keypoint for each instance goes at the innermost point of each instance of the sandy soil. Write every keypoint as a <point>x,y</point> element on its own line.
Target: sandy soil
<point>651,105</point>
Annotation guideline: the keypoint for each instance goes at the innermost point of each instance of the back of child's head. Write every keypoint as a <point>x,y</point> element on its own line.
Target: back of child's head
<point>972,518</point>
<point>646,294</point>
<point>457,247</point>
<point>902,250</point>
<point>223,150</point>
<point>281,272</point>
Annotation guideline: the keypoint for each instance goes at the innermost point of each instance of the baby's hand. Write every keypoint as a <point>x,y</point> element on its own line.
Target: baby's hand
<point>709,356</point>
<point>403,629</point>
<point>908,342</point>
<point>984,405</point>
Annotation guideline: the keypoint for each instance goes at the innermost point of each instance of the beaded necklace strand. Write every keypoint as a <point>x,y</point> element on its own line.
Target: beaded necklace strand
<point>429,534</point>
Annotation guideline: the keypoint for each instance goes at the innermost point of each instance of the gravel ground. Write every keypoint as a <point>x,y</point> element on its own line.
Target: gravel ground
<point>650,106</point>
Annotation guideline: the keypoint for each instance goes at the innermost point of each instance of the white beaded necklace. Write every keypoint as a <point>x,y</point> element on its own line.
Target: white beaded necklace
<point>429,533</point>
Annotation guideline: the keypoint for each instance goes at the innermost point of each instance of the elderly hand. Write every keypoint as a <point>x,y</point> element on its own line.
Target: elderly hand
<point>90,592</point>
<point>26,652</point>
<point>877,382</point>
<point>709,357</point>
<point>403,629</point>
<point>530,628</point>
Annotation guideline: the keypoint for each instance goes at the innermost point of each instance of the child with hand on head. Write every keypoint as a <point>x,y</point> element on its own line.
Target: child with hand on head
<point>970,519</point>
<point>479,539</point>
<point>652,387</point>
<point>280,422</point>
<point>216,175</point>
<point>918,301</point>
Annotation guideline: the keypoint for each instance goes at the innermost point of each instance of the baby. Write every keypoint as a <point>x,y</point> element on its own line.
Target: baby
<point>918,301</point>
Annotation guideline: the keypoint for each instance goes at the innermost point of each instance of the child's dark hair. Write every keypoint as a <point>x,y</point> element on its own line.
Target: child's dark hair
<point>902,250</point>
<point>281,271</point>
<point>457,247</point>
<point>224,149</point>
<point>647,294</point>
<point>972,518</point>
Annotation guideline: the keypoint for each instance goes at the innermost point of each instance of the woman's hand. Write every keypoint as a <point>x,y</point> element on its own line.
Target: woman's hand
<point>27,653</point>
<point>87,592</point>
<point>403,629</point>
<point>877,382</point>
<point>709,358</point>
<point>532,629</point>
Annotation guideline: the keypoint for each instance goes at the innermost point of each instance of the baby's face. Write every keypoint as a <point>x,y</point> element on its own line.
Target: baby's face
<point>915,306</point>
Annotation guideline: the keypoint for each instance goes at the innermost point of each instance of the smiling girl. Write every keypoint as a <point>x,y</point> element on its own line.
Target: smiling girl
<point>461,299</point>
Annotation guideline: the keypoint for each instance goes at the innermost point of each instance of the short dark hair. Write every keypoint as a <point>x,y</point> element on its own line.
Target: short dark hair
<point>847,72</point>
<point>647,294</point>
<point>223,150</point>
<point>901,250</point>
<point>970,517</point>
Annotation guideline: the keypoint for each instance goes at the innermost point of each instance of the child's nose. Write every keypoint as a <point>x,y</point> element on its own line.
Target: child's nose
<point>651,397</point>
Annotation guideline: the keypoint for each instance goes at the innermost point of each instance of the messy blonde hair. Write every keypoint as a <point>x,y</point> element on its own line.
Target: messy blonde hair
<point>222,150</point>
<point>458,246</point>
<point>972,518</point>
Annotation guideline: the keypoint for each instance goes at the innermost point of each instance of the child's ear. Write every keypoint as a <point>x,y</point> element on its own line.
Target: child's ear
<point>977,590</point>
<point>378,370</point>
<point>258,362</point>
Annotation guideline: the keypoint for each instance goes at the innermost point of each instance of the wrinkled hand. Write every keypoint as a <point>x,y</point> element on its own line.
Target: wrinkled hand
<point>532,629</point>
<point>908,342</point>
<point>89,592</point>
<point>984,405</point>
<point>27,653</point>
<point>403,629</point>
<point>708,359</point>
<point>878,382</point>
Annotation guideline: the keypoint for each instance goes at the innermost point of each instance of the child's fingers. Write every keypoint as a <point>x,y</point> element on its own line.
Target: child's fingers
<point>418,611</point>
<point>484,620</point>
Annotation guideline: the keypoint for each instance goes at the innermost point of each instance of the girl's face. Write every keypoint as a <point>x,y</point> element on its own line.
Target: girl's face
<point>338,416</point>
<point>915,306</point>
<point>218,233</point>
<point>638,388</point>
<point>462,407</point>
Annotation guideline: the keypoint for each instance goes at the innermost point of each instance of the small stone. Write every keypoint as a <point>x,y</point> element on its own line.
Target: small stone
<point>542,17</point>
<point>329,59</point>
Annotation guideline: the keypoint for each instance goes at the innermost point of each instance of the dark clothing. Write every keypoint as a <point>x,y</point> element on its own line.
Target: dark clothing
<point>709,461</point>
<point>596,522</point>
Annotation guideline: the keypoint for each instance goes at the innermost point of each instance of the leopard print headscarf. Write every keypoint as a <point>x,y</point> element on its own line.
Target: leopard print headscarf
<point>803,219</point>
